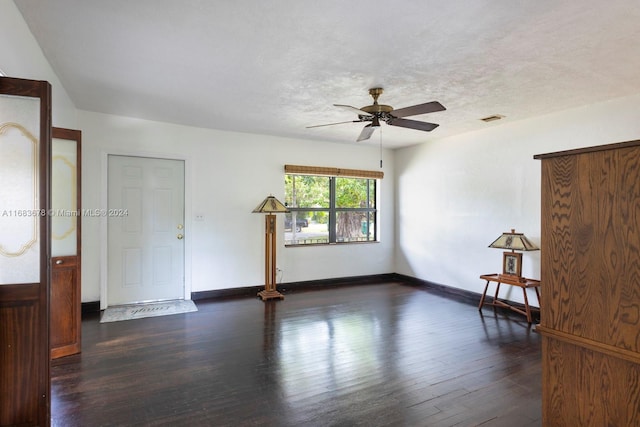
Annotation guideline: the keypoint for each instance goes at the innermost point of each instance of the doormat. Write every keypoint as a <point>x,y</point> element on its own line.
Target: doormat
<point>139,311</point>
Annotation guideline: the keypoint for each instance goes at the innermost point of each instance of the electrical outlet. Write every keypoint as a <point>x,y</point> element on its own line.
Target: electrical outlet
<point>199,217</point>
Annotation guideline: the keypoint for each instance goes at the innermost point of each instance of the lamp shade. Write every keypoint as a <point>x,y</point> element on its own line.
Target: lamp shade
<point>271,205</point>
<point>514,241</point>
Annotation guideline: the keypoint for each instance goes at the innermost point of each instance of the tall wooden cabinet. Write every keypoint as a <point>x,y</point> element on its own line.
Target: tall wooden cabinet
<point>590,275</point>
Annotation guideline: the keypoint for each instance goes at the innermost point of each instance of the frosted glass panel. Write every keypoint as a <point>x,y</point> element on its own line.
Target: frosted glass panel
<point>64,198</point>
<point>19,198</point>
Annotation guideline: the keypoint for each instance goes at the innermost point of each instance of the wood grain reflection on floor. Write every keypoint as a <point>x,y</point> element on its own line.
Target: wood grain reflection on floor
<point>369,355</point>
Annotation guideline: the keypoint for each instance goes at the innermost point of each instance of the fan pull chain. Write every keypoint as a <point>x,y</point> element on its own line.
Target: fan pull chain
<point>380,130</point>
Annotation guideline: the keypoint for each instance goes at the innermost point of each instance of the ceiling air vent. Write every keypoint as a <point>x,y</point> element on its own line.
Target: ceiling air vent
<point>492,118</point>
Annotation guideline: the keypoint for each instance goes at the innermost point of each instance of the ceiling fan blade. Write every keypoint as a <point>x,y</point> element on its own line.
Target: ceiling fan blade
<point>412,124</point>
<point>331,124</point>
<point>414,110</point>
<point>353,109</point>
<point>366,133</point>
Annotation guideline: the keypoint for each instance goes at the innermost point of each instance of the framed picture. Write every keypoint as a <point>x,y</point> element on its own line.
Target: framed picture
<point>512,264</point>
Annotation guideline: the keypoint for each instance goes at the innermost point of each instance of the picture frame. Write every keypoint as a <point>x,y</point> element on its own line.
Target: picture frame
<point>512,264</point>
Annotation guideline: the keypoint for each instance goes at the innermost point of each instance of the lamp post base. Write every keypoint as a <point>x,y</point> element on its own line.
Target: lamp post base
<point>265,295</point>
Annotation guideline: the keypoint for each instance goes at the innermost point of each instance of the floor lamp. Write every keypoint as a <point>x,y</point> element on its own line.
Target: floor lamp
<point>270,206</point>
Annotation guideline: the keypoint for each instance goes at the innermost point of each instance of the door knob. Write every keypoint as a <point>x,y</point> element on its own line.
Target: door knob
<point>58,262</point>
<point>179,236</point>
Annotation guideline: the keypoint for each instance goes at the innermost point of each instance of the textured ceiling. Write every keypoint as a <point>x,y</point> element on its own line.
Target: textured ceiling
<point>275,67</point>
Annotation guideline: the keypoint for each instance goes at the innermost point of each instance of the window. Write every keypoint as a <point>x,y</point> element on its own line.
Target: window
<point>329,207</point>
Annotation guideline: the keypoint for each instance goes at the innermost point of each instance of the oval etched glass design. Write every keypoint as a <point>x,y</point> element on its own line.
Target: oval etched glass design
<point>19,201</point>
<point>64,198</point>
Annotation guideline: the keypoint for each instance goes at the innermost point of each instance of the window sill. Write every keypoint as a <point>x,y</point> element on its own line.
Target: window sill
<point>302,245</point>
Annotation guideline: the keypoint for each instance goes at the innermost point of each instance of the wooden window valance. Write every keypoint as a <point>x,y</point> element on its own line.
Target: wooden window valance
<point>318,170</point>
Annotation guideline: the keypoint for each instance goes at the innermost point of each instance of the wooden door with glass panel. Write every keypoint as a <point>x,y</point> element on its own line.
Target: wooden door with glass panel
<point>25,140</point>
<point>65,216</point>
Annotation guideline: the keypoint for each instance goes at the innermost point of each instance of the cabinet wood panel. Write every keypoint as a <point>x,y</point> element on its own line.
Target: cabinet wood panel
<point>592,246</point>
<point>588,388</point>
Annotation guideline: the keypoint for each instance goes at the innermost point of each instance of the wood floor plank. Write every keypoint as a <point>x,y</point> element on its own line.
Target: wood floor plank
<point>371,355</point>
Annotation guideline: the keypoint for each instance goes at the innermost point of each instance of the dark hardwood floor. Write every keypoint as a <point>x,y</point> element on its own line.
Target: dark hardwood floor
<point>386,354</point>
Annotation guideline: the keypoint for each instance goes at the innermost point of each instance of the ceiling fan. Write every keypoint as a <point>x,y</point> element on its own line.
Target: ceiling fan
<point>375,113</point>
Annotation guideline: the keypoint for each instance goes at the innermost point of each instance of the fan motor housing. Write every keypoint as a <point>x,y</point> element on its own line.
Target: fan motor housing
<point>377,108</point>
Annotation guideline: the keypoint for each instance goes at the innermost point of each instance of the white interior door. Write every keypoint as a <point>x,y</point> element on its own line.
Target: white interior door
<point>145,229</point>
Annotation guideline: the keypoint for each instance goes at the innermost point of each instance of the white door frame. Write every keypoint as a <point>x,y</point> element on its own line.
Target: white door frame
<point>104,186</point>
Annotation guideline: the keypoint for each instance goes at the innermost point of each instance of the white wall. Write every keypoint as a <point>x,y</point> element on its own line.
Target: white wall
<point>456,195</point>
<point>228,174</point>
<point>21,56</point>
